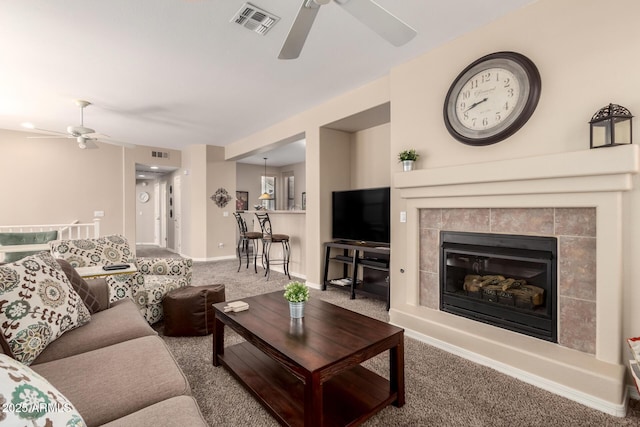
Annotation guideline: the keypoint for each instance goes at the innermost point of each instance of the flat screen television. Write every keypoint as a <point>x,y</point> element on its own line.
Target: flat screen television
<point>362,215</point>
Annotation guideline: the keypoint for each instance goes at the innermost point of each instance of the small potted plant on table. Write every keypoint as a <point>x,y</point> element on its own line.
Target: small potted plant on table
<point>408,159</point>
<point>297,293</point>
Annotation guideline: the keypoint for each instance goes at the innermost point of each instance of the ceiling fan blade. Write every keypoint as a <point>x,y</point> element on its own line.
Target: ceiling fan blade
<point>379,20</point>
<point>299,30</point>
<point>47,131</point>
<point>49,137</point>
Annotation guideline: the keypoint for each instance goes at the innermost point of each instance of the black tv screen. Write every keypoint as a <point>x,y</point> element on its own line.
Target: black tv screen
<point>362,215</point>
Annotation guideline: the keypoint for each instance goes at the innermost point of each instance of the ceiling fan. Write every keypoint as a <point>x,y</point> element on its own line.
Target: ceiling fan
<point>84,136</point>
<point>368,12</point>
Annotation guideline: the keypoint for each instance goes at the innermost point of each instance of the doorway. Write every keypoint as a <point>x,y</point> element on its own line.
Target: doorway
<point>156,204</point>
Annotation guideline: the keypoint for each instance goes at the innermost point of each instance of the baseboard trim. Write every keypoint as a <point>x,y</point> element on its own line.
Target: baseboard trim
<point>618,410</point>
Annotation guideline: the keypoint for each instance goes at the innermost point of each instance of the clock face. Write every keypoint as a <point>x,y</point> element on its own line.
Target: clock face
<point>492,98</point>
<point>143,197</point>
<point>488,99</point>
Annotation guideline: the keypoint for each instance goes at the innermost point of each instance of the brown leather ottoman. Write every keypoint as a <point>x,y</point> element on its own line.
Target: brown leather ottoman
<point>188,311</point>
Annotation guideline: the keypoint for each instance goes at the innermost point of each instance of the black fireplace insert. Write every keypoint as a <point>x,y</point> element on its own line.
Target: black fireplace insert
<point>508,281</point>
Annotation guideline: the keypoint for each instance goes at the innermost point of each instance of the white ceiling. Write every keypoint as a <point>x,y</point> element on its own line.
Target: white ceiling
<point>170,73</point>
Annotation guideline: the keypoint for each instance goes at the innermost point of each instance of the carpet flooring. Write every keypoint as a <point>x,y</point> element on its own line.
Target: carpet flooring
<point>441,389</point>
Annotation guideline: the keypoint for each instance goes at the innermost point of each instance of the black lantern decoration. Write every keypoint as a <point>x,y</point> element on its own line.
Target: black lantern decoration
<point>610,126</point>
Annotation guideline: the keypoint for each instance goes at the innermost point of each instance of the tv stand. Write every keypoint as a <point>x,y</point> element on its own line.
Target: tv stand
<point>372,257</point>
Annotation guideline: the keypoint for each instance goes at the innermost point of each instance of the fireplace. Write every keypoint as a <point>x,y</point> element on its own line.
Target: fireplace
<point>584,200</point>
<point>508,281</point>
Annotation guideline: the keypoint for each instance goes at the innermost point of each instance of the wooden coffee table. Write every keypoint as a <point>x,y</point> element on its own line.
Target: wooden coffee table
<point>307,371</point>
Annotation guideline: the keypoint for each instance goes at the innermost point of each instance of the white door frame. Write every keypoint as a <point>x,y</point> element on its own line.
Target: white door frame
<point>162,215</point>
<point>177,213</point>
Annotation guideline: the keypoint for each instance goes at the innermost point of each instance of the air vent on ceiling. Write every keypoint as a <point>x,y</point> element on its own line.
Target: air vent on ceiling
<point>255,19</point>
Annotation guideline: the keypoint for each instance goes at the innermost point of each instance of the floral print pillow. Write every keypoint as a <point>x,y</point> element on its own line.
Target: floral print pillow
<point>37,305</point>
<point>105,250</point>
<point>26,398</point>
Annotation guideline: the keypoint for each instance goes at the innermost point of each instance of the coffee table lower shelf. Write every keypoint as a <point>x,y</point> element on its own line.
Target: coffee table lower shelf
<point>349,398</point>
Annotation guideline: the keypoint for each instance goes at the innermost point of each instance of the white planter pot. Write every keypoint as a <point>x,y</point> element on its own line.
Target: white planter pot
<point>296,309</point>
<point>407,165</point>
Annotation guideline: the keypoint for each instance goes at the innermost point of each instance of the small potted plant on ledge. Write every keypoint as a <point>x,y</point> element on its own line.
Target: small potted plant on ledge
<point>297,293</point>
<point>408,159</point>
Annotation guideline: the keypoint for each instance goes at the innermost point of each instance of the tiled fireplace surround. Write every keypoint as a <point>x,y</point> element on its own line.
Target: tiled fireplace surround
<point>579,197</point>
<point>575,229</point>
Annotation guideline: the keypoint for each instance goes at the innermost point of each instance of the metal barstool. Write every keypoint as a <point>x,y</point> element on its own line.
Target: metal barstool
<point>243,242</point>
<point>267,239</point>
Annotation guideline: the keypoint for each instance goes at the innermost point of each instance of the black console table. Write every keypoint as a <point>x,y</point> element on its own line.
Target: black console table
<point>374,260</point>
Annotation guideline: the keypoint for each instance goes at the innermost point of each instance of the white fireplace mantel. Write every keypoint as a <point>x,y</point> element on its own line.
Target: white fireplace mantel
<point>605,169</point>
<point>589,178</point>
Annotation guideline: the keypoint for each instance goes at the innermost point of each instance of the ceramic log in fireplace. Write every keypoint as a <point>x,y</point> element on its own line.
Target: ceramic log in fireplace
<point>507,281</point>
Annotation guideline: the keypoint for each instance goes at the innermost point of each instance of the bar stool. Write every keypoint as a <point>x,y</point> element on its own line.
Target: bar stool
<point>243,242</point>
<point>267,239</point>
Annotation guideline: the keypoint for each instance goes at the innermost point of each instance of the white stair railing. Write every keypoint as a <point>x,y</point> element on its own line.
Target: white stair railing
<point>74,230</point>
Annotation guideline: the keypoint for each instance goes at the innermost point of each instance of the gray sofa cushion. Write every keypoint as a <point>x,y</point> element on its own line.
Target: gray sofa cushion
<point>178,411</point>
<point>118,380</point>
<point>119,323</point>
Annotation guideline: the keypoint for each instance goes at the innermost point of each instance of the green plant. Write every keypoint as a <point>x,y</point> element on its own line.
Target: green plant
<point>408,155</point>
<point>296,292</point>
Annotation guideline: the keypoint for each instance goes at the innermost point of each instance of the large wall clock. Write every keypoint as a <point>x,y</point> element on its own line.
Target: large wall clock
<point>492,98</point>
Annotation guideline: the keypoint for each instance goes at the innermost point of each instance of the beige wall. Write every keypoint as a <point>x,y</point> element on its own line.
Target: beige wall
<point>221,225</point>
<point>49,181</point>
<point>370,153</point>
<point>204,225</point>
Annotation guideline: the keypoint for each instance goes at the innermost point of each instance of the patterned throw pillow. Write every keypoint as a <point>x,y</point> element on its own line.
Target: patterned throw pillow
<point>26,398</point>
<point>113,249</point>
<point>80,286</point>
<point>37,305</point>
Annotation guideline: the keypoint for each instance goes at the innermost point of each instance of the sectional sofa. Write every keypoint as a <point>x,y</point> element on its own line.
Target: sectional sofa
<point>101,364</point>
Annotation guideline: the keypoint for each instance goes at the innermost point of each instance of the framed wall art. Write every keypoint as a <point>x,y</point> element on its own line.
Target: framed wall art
<point>242,200</point>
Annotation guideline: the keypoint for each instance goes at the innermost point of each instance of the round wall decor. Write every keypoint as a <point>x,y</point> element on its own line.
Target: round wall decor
<point>492,98</point>
<point>143,197</point>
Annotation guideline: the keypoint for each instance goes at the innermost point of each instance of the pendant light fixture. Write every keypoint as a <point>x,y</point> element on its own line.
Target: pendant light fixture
<point>265,195</point>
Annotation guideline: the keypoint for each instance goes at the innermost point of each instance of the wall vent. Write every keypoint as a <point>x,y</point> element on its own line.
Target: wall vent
<point>255,19</point>
<point>160,154</point>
